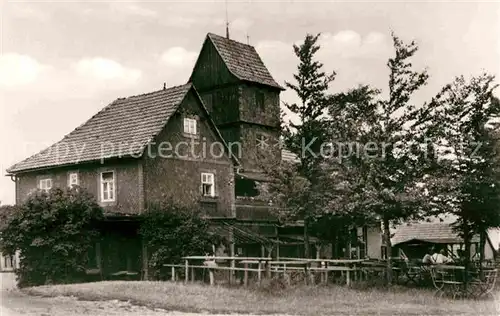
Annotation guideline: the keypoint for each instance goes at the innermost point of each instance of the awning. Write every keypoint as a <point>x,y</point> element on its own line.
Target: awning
<point>241,234</point>
<point>256,176</point>
<point>247,236</point>
<point>286,239</point>
<point>444,241</point>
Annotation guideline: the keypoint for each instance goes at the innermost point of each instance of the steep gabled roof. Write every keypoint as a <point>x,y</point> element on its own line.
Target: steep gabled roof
<point>243,61</point>
<point>122,129</point>
<point>130,122</point>
<point>439,233</point>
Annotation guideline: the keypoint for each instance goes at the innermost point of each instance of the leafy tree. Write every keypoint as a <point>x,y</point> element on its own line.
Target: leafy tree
<point>6,213</point>
<point>53,232</point>
<point>469,169</point>
<point>311,85</point>
<point>386,156</point>
<point>171,232</point>
<point>351,116</point>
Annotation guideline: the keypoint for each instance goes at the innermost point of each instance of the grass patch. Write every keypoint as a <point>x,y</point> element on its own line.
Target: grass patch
<point>334,300</point>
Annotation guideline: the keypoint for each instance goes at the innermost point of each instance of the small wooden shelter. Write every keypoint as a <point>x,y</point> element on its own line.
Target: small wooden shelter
<point>415,240</point>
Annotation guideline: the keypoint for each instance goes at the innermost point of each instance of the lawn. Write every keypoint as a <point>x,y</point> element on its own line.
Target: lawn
<point>334,300</point>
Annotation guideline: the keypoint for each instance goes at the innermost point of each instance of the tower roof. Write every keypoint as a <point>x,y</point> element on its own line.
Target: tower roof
<point>243,61</point>
<point>132,121</point>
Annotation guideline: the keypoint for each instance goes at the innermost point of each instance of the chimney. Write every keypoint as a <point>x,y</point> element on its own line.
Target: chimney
<point>227,23</point>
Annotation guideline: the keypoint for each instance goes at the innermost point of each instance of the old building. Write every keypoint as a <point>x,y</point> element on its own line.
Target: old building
<point>241,96</point>
<point>135,151</point>
<point>243,100</point>
<point>417,239</point>
<point>197,144</point>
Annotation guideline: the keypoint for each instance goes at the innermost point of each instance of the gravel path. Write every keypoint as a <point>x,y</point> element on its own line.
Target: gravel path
<point>14,303</point>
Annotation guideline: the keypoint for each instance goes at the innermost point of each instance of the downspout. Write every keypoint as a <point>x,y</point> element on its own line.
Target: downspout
<point>13,178</point>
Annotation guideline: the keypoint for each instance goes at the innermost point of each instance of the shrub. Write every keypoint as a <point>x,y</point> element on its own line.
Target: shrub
<point>276,286</point>
<point>6,213</point>
<point>171,232</point>
<point>54,232</point>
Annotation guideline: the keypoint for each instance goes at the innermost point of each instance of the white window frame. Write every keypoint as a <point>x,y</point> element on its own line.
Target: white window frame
<point>8,263</point>
<point>208,178</point>
<point>102,182</point>
<point>45,184</point>
<point>190,126</point>
<point>70,175</point>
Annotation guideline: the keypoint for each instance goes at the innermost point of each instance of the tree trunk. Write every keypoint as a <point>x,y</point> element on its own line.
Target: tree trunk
<point>306,238</point>
<point>145,263</point>
<point>388,247</point>
<point>467,241</point>
<point>335,245</point>
<point>482,244</point>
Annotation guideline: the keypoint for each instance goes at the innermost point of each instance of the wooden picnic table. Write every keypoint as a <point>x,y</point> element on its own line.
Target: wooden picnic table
<point>448,267</point>
<point>333,261</point>
<point>348,267</point>
<point>452,280</point>
<point>444,279</point>
<point>232,260</point>
<point>227,258</point>
<point>285,263</point>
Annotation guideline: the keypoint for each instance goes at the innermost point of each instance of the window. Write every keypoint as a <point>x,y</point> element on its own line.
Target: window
<point>190,126</point>
<point>72,179</point>
<point>362,234</point>
<point>108,186</point>
<point>8,262</point>
<point>207,184</point>
<point>261,141</point>
<point>45,184</point>
<point>259,99</point>
<point>246,188</point>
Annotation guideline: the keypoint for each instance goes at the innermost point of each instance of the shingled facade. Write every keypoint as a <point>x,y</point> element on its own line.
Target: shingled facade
<point>230,101</point>
<point>241,96</point>
<point>116,155</point>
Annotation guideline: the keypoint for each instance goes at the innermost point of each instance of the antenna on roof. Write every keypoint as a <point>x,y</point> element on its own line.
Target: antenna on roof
<point>227,23</point>
<point>164,86</point>
<point>248,39</point>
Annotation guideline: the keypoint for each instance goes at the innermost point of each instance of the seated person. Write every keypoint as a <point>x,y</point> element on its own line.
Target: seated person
<point>427,259</point>
<point>460,260</point>
<point>440,258</point>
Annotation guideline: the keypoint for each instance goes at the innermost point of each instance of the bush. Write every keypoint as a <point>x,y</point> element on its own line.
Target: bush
<point>6,213</point>
<point>54,232</point>
<point>276,286</point>
<point>171,232</point>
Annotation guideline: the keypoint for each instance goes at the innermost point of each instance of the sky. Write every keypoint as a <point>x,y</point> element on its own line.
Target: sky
<point>62,61</point>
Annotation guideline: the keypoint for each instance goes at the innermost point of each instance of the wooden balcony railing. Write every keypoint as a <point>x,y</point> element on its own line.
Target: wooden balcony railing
<point>254,209</point>
<point>211,209</point>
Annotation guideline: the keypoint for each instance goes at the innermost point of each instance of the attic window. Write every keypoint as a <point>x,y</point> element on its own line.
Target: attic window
<point>190,126</point>
<point>259,99</point>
